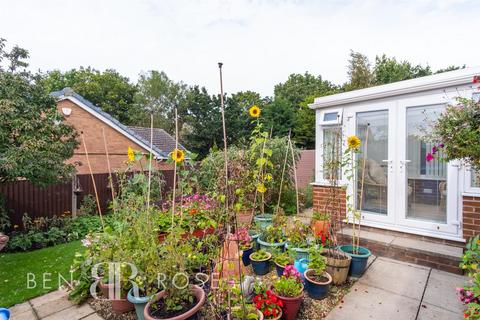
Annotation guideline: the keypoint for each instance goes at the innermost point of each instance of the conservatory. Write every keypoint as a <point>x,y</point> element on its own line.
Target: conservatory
<point>403,191</point>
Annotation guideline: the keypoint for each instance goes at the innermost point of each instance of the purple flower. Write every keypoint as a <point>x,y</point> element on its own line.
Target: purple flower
<point>441,145</point>
<point>429,157</point>
<point>434,149</point>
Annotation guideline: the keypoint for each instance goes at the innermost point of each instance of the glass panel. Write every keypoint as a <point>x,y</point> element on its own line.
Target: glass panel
<point>426,180</point>
<point>376,175</point>
<point>332,153</point>
<point>475,183</point>
<point>330,116</point>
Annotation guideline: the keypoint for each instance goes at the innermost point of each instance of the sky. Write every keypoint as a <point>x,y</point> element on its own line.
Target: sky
<point>259,42</point>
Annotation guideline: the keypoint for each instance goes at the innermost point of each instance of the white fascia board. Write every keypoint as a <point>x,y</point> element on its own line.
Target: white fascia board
<point>437,81</point>
<point>111,124</point>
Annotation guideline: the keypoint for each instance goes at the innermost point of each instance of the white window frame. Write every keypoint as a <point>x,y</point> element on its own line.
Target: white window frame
<point>468,183</point>
<point>336,122</point>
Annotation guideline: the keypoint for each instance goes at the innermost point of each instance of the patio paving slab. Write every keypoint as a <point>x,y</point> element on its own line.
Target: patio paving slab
<point>441,291</point>
<point>366,302</point>
<point>27,314</point>
<point>72,313</point>
<point>49,297</point>
<point>397,277</point>
<point>431,312</point>
<point>53,306</point>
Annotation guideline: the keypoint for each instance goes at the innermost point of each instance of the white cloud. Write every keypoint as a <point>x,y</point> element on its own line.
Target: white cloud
<point>260,42</point>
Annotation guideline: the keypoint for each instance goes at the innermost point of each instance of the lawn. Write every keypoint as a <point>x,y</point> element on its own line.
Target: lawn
<point>45,264</point>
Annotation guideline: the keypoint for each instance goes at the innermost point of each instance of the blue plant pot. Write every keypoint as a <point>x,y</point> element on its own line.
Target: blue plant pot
<point>317,290</point>
<point>139,303</point>
<point>271,247</point>
<point>246,256</point>
<point>359,261</point>
<point>279,269</point>
<point>301,253</point>
<point>260,268</point>
<point>263,220</point>
<point>4,314</point>
<point>254,236</point>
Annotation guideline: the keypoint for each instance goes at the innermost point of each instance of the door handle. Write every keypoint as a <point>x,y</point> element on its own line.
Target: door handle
<point>389,164</point>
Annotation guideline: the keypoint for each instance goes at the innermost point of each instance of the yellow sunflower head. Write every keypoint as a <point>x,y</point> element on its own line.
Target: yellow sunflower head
<point>261,188</point>
<point>354,143</point>
<point>131,154</point>
<point>254,111</point>
<point>178,155</point>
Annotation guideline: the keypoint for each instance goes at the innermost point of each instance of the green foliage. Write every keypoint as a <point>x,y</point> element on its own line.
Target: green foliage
<point>89,205</point>
<point>283,258</point>
<point>297,234</point>
<point>471,258</point>
<point>260,255</point>
<point>359,73</point>
<point>273,234</point>
<point>318,262</point>
<point>108,90</point>
<point>388,70</point>
<point>288,287</point>
<point>279,117</point>
<point>456,132</point>
<point>34,142</point>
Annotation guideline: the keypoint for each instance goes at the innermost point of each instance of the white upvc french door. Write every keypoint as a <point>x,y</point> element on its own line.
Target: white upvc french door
<point>378,200</point>
<point>427,191</point>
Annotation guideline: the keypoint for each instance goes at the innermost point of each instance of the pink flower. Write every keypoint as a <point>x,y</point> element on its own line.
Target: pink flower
<point>429,157</point>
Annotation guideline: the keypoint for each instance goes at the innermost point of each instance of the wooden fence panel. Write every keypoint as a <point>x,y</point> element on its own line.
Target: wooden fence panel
<point>23,197</point>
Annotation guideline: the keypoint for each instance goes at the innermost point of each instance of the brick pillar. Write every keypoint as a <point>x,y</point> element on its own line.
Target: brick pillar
<point>471,216</point>
<point>331,200</point>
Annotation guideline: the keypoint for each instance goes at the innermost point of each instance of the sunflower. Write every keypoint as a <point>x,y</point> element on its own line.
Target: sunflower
<point>261,188</point>
<point>354,142</point>
<point>131,154</point>
<point>254,111</point>
<point>178,155</point>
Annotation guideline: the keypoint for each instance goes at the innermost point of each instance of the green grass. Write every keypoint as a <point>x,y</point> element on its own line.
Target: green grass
<point>14,268</point>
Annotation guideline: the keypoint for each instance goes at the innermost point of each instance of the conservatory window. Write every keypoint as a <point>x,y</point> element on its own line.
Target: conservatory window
<point>331,145</point>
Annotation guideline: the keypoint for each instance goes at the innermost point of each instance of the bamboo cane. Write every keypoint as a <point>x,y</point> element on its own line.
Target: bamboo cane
<point>93,181</point>
<point>175,169</point>
<point>362,183</point>
<point>283,174</point>
<point>150,162</point>
<point>294,171</point>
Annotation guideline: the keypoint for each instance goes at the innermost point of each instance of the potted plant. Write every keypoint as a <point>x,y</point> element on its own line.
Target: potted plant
<point>289,289</point>
<point>320,224</point>
<point>338,265</point>
<point>244,243</point>
<point>281,260</point>
<point>358,254</point>
<point>263,220</point>
<point>317,280</point>
<point>297,239</point>
<point>178,299</point>
<point>261,262</point>
<point>255,233</point>
<point>267,302</point>
<point>233,301</point>
<point>272,238</point>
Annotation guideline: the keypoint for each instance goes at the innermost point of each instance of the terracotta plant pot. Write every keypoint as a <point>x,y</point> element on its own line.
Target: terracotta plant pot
<point>119,306</point>
<point>320,227</point>
<point>3,240</point>
<point>196,291</point>
<point>317,290</point>
<point>338,264</point>
<point>198,233</point>
<point>291,306</point>
<point>245,217</point>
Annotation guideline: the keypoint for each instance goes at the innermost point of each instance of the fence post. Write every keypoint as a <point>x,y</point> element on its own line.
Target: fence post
<point>74,196</point>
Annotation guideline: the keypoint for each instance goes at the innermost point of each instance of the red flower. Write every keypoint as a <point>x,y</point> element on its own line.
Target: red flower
<point>476,79</point>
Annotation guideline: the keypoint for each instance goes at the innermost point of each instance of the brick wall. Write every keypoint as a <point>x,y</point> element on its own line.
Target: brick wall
<point>471,216</point>
<point>330,200</point>
<point>91,127</point>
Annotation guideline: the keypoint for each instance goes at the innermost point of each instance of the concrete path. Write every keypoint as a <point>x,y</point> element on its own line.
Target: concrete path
<point>52,306</point>
<point>396,290</point>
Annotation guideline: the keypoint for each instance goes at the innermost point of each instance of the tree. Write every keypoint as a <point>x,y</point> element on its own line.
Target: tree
<point>359,73</point>
<point>299,86</point>
<point>279,117</point>
<point>108,90</point>
<point>388,70</point>
<point>34,142</point>
<point>203,125</point>
<point>159,95</point>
